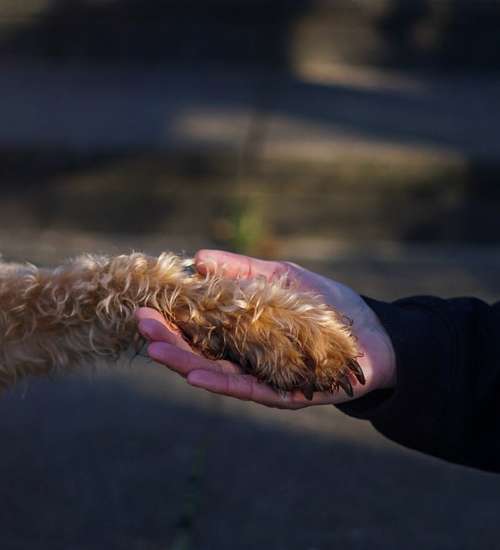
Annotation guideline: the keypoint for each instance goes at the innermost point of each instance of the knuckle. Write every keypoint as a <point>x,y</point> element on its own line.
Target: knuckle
<point>289,264</point>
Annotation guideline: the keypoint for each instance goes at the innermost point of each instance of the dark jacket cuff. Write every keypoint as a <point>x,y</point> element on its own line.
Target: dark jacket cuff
<point>415,413</point>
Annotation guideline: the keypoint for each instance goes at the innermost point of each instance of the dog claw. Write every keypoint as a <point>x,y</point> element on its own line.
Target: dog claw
<point>308,391</point>
<point>354,367</point>
<point>345,384</point>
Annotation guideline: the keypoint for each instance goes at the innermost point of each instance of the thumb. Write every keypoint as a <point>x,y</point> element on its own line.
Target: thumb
<point>236,265</point>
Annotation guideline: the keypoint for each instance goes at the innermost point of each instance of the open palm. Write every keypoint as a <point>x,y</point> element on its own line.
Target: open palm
<point>167,346</point>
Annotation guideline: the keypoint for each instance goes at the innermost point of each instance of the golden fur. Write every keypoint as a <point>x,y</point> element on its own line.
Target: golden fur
<point>54,320</point>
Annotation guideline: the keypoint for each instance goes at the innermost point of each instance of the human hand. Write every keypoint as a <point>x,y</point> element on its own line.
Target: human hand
<point>167,346</point>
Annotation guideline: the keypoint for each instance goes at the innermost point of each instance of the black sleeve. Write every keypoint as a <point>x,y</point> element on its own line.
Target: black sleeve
<point>447,399</point>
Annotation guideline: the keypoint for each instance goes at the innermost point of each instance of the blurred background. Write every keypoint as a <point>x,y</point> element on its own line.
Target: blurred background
<point>358,138</point>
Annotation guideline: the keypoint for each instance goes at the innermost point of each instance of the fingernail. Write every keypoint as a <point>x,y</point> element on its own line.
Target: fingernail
<point>145,329</point>
<point>206,263</point>
<point>159,350</point>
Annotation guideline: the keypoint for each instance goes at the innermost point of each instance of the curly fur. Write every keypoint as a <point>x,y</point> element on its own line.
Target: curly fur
<point>54,320</point>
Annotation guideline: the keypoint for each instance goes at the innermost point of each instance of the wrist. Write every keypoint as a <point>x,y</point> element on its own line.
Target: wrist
<point>388,378</point>
<point>383,354</point>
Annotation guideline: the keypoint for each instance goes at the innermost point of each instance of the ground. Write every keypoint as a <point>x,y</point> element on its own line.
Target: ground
<point>130,457</point>
<point>382,177</point>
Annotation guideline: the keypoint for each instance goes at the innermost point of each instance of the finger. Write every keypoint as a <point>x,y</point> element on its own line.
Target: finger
<point>157,332</point>
<point>183,361</point>
<point>240,386</point>
<point>153,326</point>
<point>236,265</point>
<point>148,313</point>
<point>319,398</point>
<point>248,388</point>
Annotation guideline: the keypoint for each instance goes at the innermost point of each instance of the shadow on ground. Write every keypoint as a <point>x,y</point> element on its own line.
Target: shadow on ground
<point>135,460</point>
<point>92,87</point>
<point>422,33</point>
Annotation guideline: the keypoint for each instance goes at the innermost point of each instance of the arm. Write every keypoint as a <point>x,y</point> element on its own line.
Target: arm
<point>168,347</point>
<point>446,402</point>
